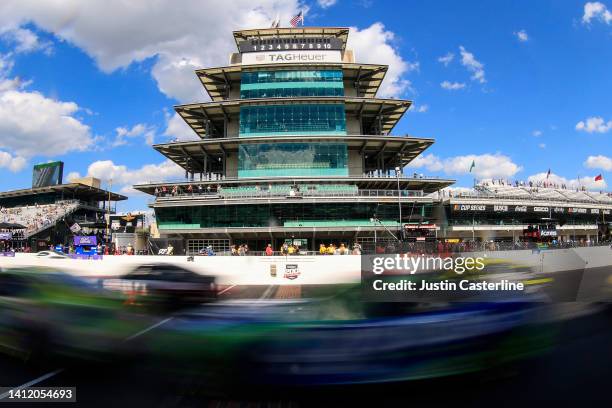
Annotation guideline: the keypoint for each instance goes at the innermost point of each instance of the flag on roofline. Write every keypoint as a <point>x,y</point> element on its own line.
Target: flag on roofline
<point>548,174</point>
<point>297,19</point>
<point>473,165</point>
<point>598,177</point>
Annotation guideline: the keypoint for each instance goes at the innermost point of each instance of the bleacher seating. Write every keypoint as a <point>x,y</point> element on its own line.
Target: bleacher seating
<point>37,217</point>
<point>534,192</point>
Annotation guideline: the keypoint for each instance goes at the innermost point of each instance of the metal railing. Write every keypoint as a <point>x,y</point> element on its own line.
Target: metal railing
<point>289,194</point>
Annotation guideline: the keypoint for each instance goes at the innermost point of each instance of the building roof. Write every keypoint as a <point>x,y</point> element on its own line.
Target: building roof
<point>292,32</point>
<point>191,154</point>
<point>367,77</point>
<point>385,113</point>
<point>71,190</point>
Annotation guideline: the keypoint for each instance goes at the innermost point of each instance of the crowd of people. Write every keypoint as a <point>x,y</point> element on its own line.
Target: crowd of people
<point>37,216</point>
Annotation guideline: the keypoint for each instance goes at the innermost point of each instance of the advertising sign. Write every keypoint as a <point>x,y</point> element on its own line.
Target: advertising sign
<point>5,236</point>
<point>85,240</point>
<point>287,57</point>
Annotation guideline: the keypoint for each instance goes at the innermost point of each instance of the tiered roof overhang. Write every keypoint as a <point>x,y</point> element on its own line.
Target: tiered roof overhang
<point>217,81</point>
<point>383,114</point>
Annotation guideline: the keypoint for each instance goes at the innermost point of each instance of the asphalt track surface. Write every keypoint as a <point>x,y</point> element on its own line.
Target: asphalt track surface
<point>576,371</point>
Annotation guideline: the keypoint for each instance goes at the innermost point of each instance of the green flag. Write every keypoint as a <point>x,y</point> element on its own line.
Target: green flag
<point>472,166</point>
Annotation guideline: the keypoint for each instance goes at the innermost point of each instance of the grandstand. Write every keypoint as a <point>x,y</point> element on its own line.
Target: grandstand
<point>49,212</point>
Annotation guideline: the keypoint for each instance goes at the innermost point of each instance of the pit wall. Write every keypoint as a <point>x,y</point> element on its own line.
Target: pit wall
<point>301,270</point>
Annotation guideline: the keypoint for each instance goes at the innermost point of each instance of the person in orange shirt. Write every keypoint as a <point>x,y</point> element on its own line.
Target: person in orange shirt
<point>269,251</point>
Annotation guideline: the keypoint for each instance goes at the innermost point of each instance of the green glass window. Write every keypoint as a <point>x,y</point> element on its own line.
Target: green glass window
<point>286,214</point>
<point>293,159</point>
<point>283,84</point>
<point>297,119</point>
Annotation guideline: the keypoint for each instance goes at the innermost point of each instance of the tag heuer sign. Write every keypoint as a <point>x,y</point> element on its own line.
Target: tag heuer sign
<point>291,271</point>
<point>540,209</point>
<point>287,57</point>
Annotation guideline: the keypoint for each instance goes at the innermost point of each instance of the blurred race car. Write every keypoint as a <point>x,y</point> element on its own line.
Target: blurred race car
<point>51,255</point>
<point>45,313</point>
<point>165,285</point>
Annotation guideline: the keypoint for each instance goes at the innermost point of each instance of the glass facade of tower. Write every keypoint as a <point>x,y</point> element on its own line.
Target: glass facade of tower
<point>288,215</point>
<point>291,84</point>
<point>293,159</point>
<point>296,119</point>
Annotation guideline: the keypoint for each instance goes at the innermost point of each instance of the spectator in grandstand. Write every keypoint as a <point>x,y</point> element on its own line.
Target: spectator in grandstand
<point>291,249</point>
<point>356,249</point>
<point>269,250</point>
<point>331,249</point>
<point>170,249</point>
<point>322,249</point>
<point>284,249</point>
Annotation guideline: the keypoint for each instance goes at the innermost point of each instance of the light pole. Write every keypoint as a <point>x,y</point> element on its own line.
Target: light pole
<point>399,201</point>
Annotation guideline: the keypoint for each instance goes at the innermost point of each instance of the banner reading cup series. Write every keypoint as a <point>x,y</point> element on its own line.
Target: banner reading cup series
<point>286,57</point>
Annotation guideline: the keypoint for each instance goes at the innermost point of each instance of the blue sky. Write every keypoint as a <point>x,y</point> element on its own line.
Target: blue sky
<point>525,86</point>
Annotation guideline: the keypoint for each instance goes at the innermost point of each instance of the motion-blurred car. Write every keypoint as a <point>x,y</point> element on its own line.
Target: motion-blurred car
<point>46,313</point>
<point>165,285</point>
<point>51,255</point>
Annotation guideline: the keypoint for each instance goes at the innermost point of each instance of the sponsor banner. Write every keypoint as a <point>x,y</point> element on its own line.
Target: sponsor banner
<point>524,209</point>
<point>75,228</point>
<point>292,271</point>
<point>5,236</point>
<point>548,233</point>
<point>85,240</point>
<point>420,226</point>
<point>10,254</point>
<point>287,57</point>
<point>469,207</point>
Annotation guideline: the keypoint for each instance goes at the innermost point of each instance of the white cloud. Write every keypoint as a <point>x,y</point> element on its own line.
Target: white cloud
<point>542,145</point>
<point>594,125</point>
<point>13,163</point>
<point>429,161</point>
<point>598,11</point>
<point>179,130</point>
<point>522,35</point>
<point>586,181</point>
<point>419,108</point>
<point>180,37</point>
<point>452,86</point>
<point>73,175</point>
<point>122,176</point>
<point>446,59</point>
<point>373,45</point>
<point>326,3</point>
<point>599,162</point>
<point>473,65</point>
<point>486,165</point>
<point>25,40</point>
<point>537,133</point>
<point>139,130</point>
<point>32,124</point>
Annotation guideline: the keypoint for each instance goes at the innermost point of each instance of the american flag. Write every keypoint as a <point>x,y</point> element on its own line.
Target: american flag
<point>297,19</point>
